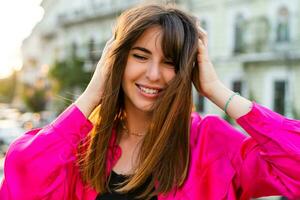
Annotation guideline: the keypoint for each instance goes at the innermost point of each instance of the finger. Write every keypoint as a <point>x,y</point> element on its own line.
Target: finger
<point>108,44</point>
<point>201,44</point>
<point>202,31</point>
<point>202,51</point>
<point>202,34</point>
<point>204,39</point>
<point>111,39</point>
<point>202,47</point>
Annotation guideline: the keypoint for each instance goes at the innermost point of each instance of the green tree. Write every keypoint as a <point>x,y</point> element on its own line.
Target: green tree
<point>7,88</point>
<point>70,74</point>
<point>34,98</point>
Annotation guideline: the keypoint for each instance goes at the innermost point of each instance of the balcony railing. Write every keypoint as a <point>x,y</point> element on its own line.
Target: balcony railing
<point>94,11</point>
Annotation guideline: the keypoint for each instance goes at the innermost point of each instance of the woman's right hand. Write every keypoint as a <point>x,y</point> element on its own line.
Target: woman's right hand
<point>92,95</point>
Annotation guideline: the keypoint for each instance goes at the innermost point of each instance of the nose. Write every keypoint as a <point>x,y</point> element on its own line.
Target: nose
<point>153,72</point>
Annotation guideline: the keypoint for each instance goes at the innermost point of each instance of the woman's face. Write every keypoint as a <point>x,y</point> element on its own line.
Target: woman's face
<point>147,71</point>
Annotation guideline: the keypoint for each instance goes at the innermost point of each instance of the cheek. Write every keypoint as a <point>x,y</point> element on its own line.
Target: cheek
<point>131,67</point>
<point>126,78</point>
<point>128,72</point>
<point>131,74</point>
<point>168,74</point>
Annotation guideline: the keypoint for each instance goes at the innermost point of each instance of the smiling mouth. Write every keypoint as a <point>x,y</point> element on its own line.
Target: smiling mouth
<point>150,91</point>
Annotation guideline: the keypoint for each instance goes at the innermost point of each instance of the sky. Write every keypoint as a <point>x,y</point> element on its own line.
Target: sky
<point>17,19</point>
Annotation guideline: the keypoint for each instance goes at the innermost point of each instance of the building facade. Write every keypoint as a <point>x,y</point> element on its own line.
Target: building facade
<point>254,45</point>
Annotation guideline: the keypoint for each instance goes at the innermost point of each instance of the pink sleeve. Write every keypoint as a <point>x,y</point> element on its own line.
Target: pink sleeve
<point>37,164</point>
<point>269,161</point>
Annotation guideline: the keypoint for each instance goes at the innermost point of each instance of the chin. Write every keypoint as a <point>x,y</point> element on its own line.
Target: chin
<point>145,107</point>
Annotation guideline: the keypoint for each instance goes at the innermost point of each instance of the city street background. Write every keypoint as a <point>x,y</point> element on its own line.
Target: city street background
<point>50,49</point>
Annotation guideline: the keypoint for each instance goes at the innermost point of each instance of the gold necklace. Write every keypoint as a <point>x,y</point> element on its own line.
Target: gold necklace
<point>124,127</point>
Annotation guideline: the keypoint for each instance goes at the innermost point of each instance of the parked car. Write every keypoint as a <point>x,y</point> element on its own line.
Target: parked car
<point>7,112</point>
<point>9,131</point>
<point>29,120</point>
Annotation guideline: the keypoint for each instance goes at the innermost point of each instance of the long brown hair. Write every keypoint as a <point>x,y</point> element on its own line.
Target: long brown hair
<point>164,153</point>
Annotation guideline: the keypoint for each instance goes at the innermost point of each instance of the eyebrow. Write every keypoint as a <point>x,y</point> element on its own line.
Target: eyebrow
<point>142,49</point>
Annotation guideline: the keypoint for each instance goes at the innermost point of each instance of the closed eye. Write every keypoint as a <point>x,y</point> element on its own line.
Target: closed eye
<point>169,63</point>
<point>139,57</point>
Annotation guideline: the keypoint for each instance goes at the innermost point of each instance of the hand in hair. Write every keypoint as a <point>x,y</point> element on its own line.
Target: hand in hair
<point>210,85</point>
<point>204,69</point>
<point>92,95</point>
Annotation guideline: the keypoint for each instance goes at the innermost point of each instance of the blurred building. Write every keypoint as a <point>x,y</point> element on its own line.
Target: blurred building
<point>255,45</point>
<point>69,27</point>
<point>80,27</point>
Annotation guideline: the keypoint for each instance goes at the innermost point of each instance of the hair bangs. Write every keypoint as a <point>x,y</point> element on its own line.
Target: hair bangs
<point>173,38</point>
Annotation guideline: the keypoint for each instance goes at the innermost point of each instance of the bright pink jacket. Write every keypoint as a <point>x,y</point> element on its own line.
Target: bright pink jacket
<point>224,163</point>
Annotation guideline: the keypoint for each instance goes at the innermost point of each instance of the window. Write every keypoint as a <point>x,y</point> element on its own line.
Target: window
<point>279,96</point>
<point>239,31</point>
<point>200,104</point>
<point>282,30</point>
<point>237,86</point>
<point>91,49</point>
<point>74,49</point>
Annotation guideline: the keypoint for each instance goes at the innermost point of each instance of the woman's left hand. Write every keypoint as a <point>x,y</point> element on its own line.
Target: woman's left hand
<point>208,83</point>
<point>205,77</point>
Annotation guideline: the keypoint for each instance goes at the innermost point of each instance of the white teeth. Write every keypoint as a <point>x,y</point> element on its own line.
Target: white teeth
<point>148,90</point>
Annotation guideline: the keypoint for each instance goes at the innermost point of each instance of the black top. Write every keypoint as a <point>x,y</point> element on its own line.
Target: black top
<point>118,178</point>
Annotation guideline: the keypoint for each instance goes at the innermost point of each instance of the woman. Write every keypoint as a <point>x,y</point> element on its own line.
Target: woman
<point>146,142</point>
